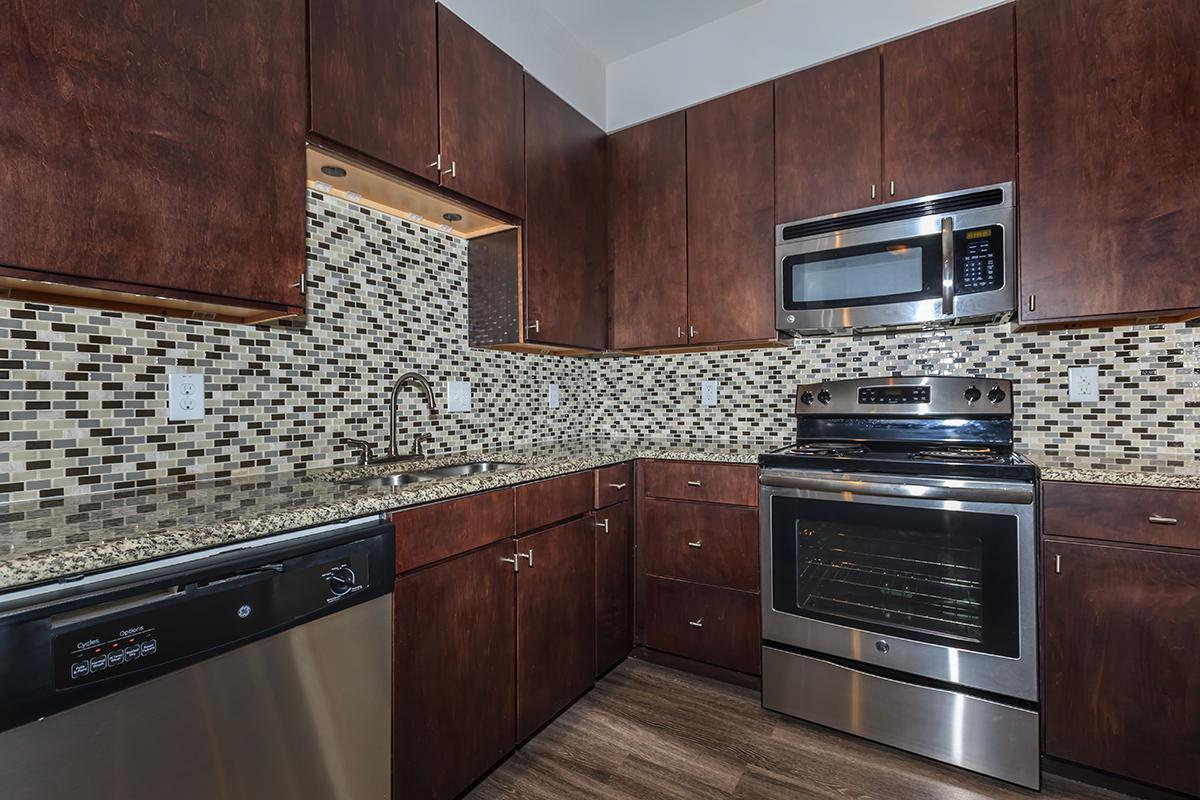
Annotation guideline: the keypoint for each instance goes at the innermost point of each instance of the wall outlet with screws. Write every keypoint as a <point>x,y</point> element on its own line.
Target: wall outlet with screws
<point>1084,384</point>
<point>552,395</point>
<point>458,396</point>
<point>708,393</point>
<point>185,396</point>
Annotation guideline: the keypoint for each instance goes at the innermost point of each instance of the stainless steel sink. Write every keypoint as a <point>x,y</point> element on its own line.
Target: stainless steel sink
<point>399,479</point>
<point>475,468</point>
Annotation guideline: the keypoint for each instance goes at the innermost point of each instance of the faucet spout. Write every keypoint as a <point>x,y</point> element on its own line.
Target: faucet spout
<point>407,379</point>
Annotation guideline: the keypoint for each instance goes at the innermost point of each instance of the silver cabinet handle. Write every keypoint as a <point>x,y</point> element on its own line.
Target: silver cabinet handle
<point>947,266</point>
<point>678,331</point>
<point>617,486</point>
<point>696,623</point>
<point>299,284</point>
<point>516,564</point>
<point>603,525</point>
<point>872,191</point>
<point>1155,519</point>
<point>1058,565</point>
<point>536,326</point>
<point>691,332</point>
<point>892,188</point>
<point>694,483</point>
<point>437,163</point>
<point>453,171</point>
<point>697,544</point>
<point>528,557</point>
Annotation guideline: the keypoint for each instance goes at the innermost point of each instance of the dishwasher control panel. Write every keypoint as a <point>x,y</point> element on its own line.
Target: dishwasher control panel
<point>192,620</point>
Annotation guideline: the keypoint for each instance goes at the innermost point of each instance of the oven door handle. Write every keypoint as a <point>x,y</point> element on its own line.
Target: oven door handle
<point>901,486</point>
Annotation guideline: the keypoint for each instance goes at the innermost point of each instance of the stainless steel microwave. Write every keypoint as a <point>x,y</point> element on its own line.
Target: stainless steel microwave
<point>938,260</point>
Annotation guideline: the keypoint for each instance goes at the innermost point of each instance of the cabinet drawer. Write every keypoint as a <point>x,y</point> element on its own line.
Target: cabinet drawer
<point>546,502</point>
<point>734,484</point>
<point>614,485</point>
<point>430,533</point>
<point>702,543</point>
<point>705,623</point>
<point>1133,514</point>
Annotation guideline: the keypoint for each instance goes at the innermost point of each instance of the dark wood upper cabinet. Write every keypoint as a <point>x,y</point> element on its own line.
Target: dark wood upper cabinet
<point>827,138</point>
<point>373,79</point>
<point>159,145</point>
<point>566,238</point>
<point>455,661</point>
<point>1110,159</point>
<point>730,218</point>
<point>949,110</point>
<point>647,228</point>
<point>614,585</point>
<point>556,621</point>
<point>482,117</point>
<point>1121,626</point>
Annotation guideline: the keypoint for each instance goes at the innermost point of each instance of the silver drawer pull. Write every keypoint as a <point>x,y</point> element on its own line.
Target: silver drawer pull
<point>695,544</point>
<point>527,556</point>
<point>1155,519</point>
<point>617,486</point>
<point>694,483</point>
<point>603,525</point>
<point>698,623</point>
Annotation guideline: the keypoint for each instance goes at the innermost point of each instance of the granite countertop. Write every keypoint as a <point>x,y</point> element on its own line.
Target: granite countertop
<point>1118,470</point>
<point>49,540</point>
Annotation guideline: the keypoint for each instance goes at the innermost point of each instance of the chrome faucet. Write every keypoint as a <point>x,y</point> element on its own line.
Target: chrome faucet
<point>409,379</point>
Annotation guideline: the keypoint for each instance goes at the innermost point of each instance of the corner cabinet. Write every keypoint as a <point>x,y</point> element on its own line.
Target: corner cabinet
<point>154,156</point>
<point>1109,173</point>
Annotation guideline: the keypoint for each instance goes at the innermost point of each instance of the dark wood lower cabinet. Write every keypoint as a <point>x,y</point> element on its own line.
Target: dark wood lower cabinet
<point>556,618</point>
<point>1121,629</point>
<point>705,623</point>
<point>614,585</point>
<point>455,632</point>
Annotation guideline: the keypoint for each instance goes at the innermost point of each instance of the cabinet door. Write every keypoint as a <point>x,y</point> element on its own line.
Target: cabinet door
<point>556,621</point>
<point>159,144</point>
<point>730,218</point>
<point>949,111</point>
<point>566,239</point>
<point>1110,158</point>
<point>614,585</point>
<point>647,229</point>
<point>827,138</point>
<point>1121,629</point>
<point>481,108</point>
<point>454,672</point>
<point>373,78</point>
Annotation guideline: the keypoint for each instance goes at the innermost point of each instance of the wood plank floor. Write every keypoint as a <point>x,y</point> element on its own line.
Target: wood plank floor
<point>648,732</point>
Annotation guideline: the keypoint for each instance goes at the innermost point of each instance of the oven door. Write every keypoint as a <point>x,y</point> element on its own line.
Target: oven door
<point>929,577</point>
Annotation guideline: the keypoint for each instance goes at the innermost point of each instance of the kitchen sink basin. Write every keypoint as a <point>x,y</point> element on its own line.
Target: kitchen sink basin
<point>400,479</point>
<point>474,468</point>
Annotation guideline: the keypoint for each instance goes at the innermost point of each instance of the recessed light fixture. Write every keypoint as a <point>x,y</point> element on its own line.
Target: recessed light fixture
<point>452,217</point>
<point>333,171</point>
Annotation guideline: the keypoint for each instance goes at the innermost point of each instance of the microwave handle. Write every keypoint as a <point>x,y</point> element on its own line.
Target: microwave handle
<point>947,266</point>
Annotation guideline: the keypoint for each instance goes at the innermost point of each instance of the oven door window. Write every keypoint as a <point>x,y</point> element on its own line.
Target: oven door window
<point>862,275</point>
<point>938,576</point>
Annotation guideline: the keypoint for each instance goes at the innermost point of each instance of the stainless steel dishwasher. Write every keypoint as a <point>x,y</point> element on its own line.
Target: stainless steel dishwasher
<point>259,671</point>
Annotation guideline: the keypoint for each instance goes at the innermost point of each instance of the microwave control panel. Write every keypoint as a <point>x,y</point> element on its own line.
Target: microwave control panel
<point>979,259</point>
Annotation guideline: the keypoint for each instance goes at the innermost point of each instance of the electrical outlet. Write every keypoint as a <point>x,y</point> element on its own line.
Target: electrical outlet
<point>1084,384</point>
<point>185,396</point>
<point>552,395</point>
<point>458,396</point>
<point>708,393</point>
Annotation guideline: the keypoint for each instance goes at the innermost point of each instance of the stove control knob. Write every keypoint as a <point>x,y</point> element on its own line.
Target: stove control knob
<point>972,394</point>
<point>824,397</point>
<point>996,394</point>
<point>807,398</point>
<point>341,580</point>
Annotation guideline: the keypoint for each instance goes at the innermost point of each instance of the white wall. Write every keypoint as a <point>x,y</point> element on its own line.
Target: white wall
<point>764,41</point>
<point>544,46</point>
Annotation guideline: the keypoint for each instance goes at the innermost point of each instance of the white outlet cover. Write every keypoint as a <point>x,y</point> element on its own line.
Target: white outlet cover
<point>185,396</point>
<point>458,396</point>
<point>1084,384</point>
<point>708,393</point>
<point>552,395</point>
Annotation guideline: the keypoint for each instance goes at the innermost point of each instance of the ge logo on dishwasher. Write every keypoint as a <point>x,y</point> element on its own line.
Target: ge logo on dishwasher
<point>243,612</point>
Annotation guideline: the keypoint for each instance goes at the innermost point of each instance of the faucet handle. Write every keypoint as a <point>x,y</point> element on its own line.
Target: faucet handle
<point>418,441</point>
<point>363,447</point>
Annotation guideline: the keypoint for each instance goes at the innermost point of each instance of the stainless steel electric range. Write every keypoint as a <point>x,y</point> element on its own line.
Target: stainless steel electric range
<point>898,567</point>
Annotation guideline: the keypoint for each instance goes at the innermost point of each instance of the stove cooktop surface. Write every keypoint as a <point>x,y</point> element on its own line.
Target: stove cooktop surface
<point>935,459</point>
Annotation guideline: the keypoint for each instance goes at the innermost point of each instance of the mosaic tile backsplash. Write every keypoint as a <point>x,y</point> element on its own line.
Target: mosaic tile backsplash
<point>83,393</point>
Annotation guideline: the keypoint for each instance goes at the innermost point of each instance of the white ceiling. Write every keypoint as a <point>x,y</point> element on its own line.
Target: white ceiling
<point>614,29</point>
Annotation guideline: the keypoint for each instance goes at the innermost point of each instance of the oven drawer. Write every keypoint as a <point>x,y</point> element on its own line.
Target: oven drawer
<point>732,484</point>
<point>614,485</point>
<point>705,623</point>
<point>1135,515</point>
<point>702,543</point>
